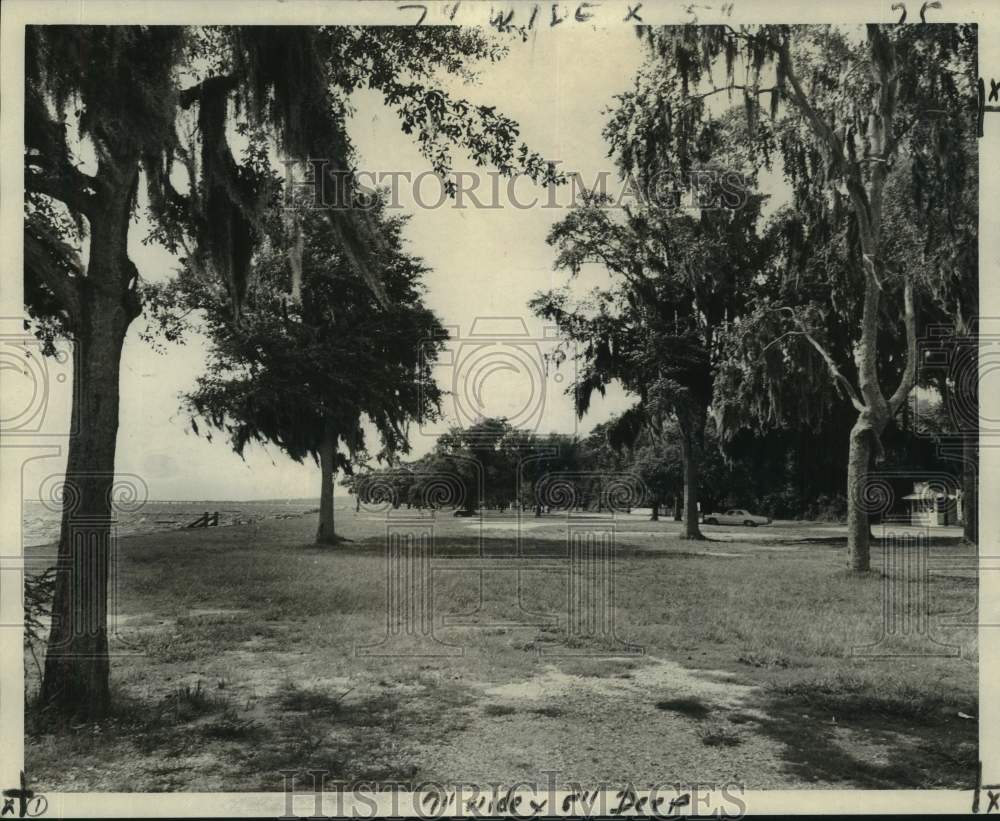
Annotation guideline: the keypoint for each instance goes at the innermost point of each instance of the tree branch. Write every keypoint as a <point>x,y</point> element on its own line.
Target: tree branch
<point>46,149</point>
<point>222,83</point>
<point>893,142</point>
<point>733,87</point>
<point>910,371</point>
<point>68,185</point>
<point>53,263</point>
<point>775,341</point>
<point>835,372</point>
<point>828,137</point>
<point>799,97</point>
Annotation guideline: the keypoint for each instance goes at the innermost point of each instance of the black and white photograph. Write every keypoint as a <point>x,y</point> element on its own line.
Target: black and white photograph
<point>510,409</point>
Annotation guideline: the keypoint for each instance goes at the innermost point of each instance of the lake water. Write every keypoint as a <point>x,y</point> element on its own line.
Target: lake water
<point>41,523</point>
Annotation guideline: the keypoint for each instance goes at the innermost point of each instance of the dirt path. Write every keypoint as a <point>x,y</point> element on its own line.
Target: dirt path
<point>650,721</point>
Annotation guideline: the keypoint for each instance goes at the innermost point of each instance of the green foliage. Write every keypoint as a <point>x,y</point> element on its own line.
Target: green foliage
<point>337,357</point>
<point>876,139</point>
<point>680,277</point>
<point>129,92</point>
<point>486,465</point>
<point>50,237</point>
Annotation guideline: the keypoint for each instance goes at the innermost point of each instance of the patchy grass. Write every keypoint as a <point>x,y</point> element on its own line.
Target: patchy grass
<point>764,659</point>
<point>187,702</point>
<point>246,657</point>
<point>599,668</point>
<point>857,695</point>
<point>297,700</point>
<point>720,737</point>
<point>230,727</point>
<point>499,709</point>
<point>549,711</point>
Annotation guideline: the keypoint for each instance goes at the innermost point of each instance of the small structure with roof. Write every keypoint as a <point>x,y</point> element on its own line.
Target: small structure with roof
<point>930,505</point>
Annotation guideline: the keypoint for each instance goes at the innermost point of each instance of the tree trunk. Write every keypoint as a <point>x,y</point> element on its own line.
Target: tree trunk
<point>678,509</point>
<point>325,534</point>
<point>655,515</point>
<point>691,456</point>
<point>858,466</point>
<point>867,198</point>
<point>691,528</point>
<point>76,677</point>
<point>970,487</point>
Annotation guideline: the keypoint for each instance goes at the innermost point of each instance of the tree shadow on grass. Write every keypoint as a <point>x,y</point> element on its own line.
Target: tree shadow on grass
<point>850,742</point>
<point>827,541</point>
<point>372,737</point>
<point>690,707</point>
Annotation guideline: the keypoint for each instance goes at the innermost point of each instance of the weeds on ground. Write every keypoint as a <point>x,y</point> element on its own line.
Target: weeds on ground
<point>854,694</point>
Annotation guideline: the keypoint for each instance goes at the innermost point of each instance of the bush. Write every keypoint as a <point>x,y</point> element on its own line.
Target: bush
<point>782,504</point>
<point>828,508</point>
<point>38,592</point>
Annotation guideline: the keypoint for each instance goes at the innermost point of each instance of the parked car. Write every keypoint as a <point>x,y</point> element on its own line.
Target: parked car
<point>735,516</point>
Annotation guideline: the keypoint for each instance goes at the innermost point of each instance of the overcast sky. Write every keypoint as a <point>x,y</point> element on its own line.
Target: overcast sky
<point>486,263</point>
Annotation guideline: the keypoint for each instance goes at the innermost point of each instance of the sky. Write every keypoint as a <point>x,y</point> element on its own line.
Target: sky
<point>486,263</point>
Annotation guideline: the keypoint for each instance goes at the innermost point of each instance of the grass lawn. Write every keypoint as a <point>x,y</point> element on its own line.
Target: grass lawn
<point>236,658</point>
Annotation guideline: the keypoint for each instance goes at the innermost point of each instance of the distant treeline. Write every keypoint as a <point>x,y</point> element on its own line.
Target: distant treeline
<point>787,474</point>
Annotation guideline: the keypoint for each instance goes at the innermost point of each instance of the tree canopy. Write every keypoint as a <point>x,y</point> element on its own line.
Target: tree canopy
<point>679,276</point>
<point>172,99</point>
<point>854,115</point>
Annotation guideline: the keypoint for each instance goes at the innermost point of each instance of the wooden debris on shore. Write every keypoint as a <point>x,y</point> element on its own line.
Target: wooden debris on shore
<point>205,520</point>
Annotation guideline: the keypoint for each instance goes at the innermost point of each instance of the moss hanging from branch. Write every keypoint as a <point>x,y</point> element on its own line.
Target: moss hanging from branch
<point>288,73</point>
<point>227,232</point>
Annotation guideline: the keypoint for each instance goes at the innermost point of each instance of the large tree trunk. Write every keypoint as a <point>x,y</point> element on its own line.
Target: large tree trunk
<point>691,431</point>
<point>76,677</point>
<point>327,466</point>
<point>970,487</point>
<point>859,461</point>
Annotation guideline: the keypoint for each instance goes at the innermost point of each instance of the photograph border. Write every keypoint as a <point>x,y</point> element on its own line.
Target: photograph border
<point>15,451</point>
